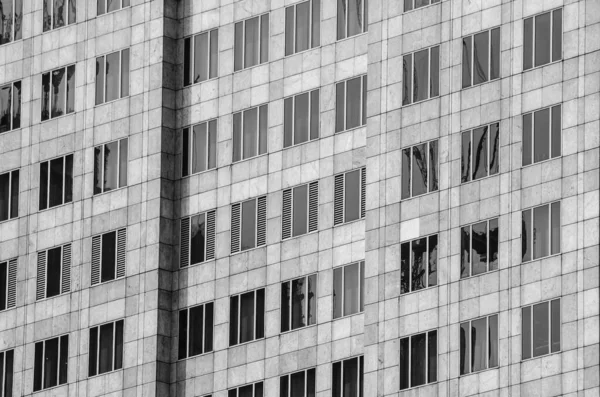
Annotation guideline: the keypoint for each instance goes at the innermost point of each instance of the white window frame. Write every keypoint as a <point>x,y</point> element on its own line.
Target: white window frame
<point>471,37</point>
<point>486,342</point>
<point>105,85</point>
<point>533,37</point>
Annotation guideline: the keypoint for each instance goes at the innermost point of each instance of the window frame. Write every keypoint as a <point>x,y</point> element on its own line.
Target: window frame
<point>255,327</point>
<point>551,111</point>
<point>359,287</point>
<point>14,36</point>
<point>102,170</point>
<point>260,39</point>
<point>192,56</point>
<point>362,213</point>
<point>430,86</point>
<point>189,130</point>
<point>50,73</point>
<point>63,271</point>
<point>488,247</point>
<point>9,286</point>
<point>236,390</point>
<point>309,121</point>
<point>242,133</point>
<point>289,303</point>
<point>285,380</point>
<point>486,343</point>
<point>489,128</point>
<point>311,26</point>
<point>43,363</point>
<point>410,261</point>
<point>531,329</point>
<point>362,103</point>
<point>431,2</point>
<point>120,80</point>
<point>106,9</point>
<point>51,16</point>
<point>7,374</point>
<point>11,180</point>
<point>15,118</point>
<point>188,331</point>
<point>365,21</point>
<point>360,362</point>
<point>113,349</point>
<point>489,58</point>
<point>120,248</point>
<point>64,185</point>
<point>309,187</point>
<point>551,40</point>
<point>429,168</point>
<point>532,223</point>
<point>410,366</point>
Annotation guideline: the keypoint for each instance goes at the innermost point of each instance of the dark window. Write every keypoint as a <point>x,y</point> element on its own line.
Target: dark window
<point>299,384</point>
<point>350,103</point>
<point>481,57</point>
<point>56,182</point>
<point>421,75</point>
<point>199,148</point>
<point>352,18</point>
<point>58,92</point>
<point>105,6</point>
<point>301,118</point>
<point>9,195</point>
<point>251,390</point>
<point>7,372</point>
<point>50,364</point>
<point>414,4</point>
<point>197,238</point>
<point>542,41</point>
<point>420,169</point>
<point>251,42</point>
<point>298,303</point>
<point>418,264</point>
<point>349,196</point>
<point>8,286</point>
<point>480,152</point>
<point>540,329</point>
<point>348,289</point>
<point>110,166</point>
<point>250,132</point>
<point>479,344</point>
<point>418,360</point>
<point>302,26</point>
<point>247,317</point>
<point>300,214</point>
<point>10,106</point>
<point>106,348</point>
<point>201,57</point>
<point>479,248</point>
<point>542,132</point>
<point>54,272</point>
<point>348,378</point>
<point>540,232</point>
<point>109,251</point>
<point>12,20</point>
<point>112,76</point>
<point>248,224</point>
<point>59,13</point>
<point>196,330</point>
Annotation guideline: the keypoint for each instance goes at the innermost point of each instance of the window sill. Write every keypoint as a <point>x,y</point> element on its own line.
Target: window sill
<point>9,219</point>
<point>350,129</point>
<point>13,41</point>
<point>540,356</point>
<point>420,102</point>
<point>13,129</point>
<point>479,371</point>
<point>301,143</point>
<point>105,373</point>
<point>478,179</point>
<point>543,257</point>
<point>420,8</point>
<point>51,297</point>
<point>540,162</point>
<point>352,37</point>
<point>112,100</point>
<point>250,67</point>
<point>402,294</point>
<point>419,386</point>
<point>303,51</point>
<point>181,360</point>
<point>109,191</point>
<point>349,222</point>
<point>50,388</point>
<point>247,250</point>
<point>59,28</point>
<point>478,275</point>
<point>298,329</point>
<point>418,196</point>
<point>199,263</point>
<point>249,158</point>
<point>541,66</point>
<point>348,315</point>
<point>245,343</point>
<point>200,82</point>
<point>56,206</point>
<point>301,235</point>
<point>111,12</point>
<point>57,117</point>
<point>107,281</point>
<point>479,84</point>
<point>200,172</point>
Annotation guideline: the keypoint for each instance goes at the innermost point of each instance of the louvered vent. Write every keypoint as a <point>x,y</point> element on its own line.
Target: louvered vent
<point>184,254</point>
<point>338,200</point>
<point>96,255</point>
<point>313,207</point>
<point>66,269</point>
<point>210,235</point>
<point>363,191</point>
<point>286,215</point>
<point>235,228</point>
<point>41,276</point>
<point>12,283</point>
<point>261,222</point>
<point>121,252</point>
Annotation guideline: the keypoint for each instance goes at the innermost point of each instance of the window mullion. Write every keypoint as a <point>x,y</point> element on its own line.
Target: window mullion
<point>533,44</point>
<point>294,32</point>
<point>345,103</point>
<point>209,48</point>
<point>551,35</point>
<point>487,343</point>
<point>426,262</point>
<point>410,259</point>
<point>58,361</point>
<point>112,364</point>
<point>207,149</point>
<point>426,357</point>
<point>119,74</point>
<point>550,111</point>
<point>255,317</point>
<point>43,364</point>
<point>62,269</point>
<point>243,132</point>
<point>9,199</point>
<point>360,101</point>
<point>192,59</point>
<point>239,319</point>
<point>343,288</point>
<point>412,171</point>
<point>104,77</point>
<point>118,161</point>
<point>293,118</point>
<point>243,44</point>
<point>188,331</point>
<point>472,54</point>
<point>290,305</point>
<point>306,306</point>
<point>358,289</point>
<point>409,360</point>
<point>259,41</point>
<point>203,327</point>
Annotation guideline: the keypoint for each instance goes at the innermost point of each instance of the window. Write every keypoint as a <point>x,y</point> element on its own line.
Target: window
<point>351,103</point>
<point>248,224</point>
<point>542,41</point>
<point>6,373</point>
<point>302,26</point>
<point>348,378</point>
<point>250,132</point>
<point>199,148</point>
<point>10,106</point>
<point>196,330</point>
<point>58,92</point>
<point>50,364</point>
<point>418,264</point>
<point>251,42</point>
<point>56,182</point>
<point>110,166</point>
<point>12,24</point>
<point>349,196</point>
<point>252,390</point>
<point>414,4</point>
<point>420,169</point>
<point>112,76</point>
<point>541,330</point>
<point>479,344</point>
<point>542,135</point>
<point>59,13</point>
<point>421,75</point>
<point>109,251</point>
<point>300,210</point>
<point>53,272</point>
<point>481,57</point>
<point>479,248</point>
<point>352,18</point>
<point>247,317</point>
<point>480,149</point>
<point>301,118</point>
<point>348,289</point>
<point>200,57</point>
<point>541,231</point>
<point>106,348</point>
<point>8,286</point>
<point>299,384</point>
<point>9,195</point>
<point>298,303</point>
<point>418,360</point>
<point>197,239</point>
<point>105,6</point>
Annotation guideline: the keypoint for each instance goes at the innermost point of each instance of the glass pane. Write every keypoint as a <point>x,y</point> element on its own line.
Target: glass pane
<point>47,17</point>
<point>298,303</point>
<point>479,256</point>
<point>557,35</point>
<point>480,57</point>
<point>214,53</point>
<point>528,44</point>
<point>312,300</point>
<point>43,185</point>
<point>199,152</point>
<point>465,164</point>
<point>302,26</point>
<point>541,232</point>
<point>297,384</point>
<point>404,364</point>
<point>112,76</point>
<point>555,209</point>
<point>421,3</point>
<point>239,46</point>
<point>93,352</point>
<point>106,348</point>
<point>4,197</point>
<point>478,344</point>
<point>541,331</point>
<point>542,39</point>
<point>264,38</point>
<point>14,194</point>
<point>311,388</point>
<point>5,108</point>
<point>419,258</point>
<point>493,244</point>
<point>51,363</point>
<point>212,144</point>
<point>351,289</point>
<point>248,224</point>
<point>465,251</point>
<point>350,381</point>
<point>353,105</point>
<point>480,151</point>
<point>198,238</point>
<point>3,287</point>
<point>208,327</point>
<point>526,236</point>
<point>72,11</point>
<point>495,54</point>
<point>111,166</point>
<point>340,106</point>
<point>112,5</point>
<point>123,150</point>
<point>361,280</point>
<point>556,131</point>
<point>124,73</point>
<point>59,13</point>
<point>288,121</point>
<point>555,325</point>
<point>70,92</point>
<point>316,23</point>
<point>201,57</point>
<point>250,133</point>
<point>196,330</point>
<point>419,168</point>
<point>301,118</point>
<point>119,344</point>
<point>99,81</point>
<point>432,259</point>
<point>237,136</point>
<point>251,42</point>
<point>421,71</point>
<point>434,68</point>
<point>337,292</point>
<point>263,127</point>
<point>69,178</point>
<point>185,151</point>
<point>284,387</point>
<point>352,196</point>
<point>101,7</point>
<point>59,92</point>
<point>433,166</point>
<point>493,341</point>
<point>56,182</point>
<point>406,173</point>
<point>300,210</point>
<point>38,366</point>
<point>494,145</point>
<point>354,17</point>
<point>314,114</point>
<point>289,30</point>
<point>260,313</point>
<point>408,5</point>
<point>407,79</point>
<point>45,96</point>
<point>418,361</point>
<point>466,61</point>
<point>541,135</point>
<point>18,26</point>
<point>465,354</point>
<point>527,139</point>
<point>98,170</point>
<point>183,332</point>
<point>405,268</point>
<point>285,306</point>
<point>108,256</point>
<point>16,105</point>
<point>431,356</point>
<point>247,317</point>
<point>341,19</point>
<point>233,320</point>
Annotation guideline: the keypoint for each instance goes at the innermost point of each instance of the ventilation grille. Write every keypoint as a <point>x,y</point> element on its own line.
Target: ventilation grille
<point>210,235</point>
<point>313,206</point>
<point>96,252</point>
<point>286,216</point>
<point>12,283</point>
<point>235,228</point>
<point>121,252</point>
<point>41,276</point>
<point>261,222</point>
<point>66,269</point>
<point>338,200</point>
<point>363,191</point>
<point>184,254</point>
